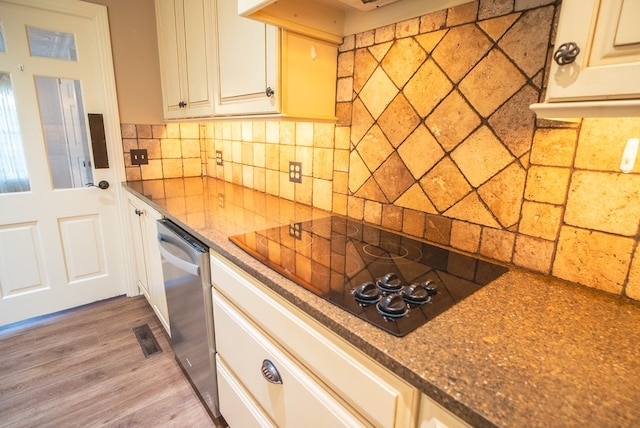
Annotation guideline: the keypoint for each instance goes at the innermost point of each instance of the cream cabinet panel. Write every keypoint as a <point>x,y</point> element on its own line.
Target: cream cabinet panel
<point>432,415</point>
<point>309,72</point>
<point>291,397</point>
<point>239,408</point>
<point>144,231</point>
<point>185,43</point>
<point>603,79</point>
<point>247,63</point>
<point>263,70</point>
<point>170,57</point>
<point>375,393</point>
<point>138,234</point>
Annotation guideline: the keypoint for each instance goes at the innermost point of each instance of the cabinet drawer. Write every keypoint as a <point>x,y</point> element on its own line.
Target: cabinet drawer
<point>236,405</point>
<point>295,402</point>
<point>383,398</point>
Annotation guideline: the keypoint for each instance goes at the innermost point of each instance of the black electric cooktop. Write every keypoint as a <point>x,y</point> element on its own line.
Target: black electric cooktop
<point>394,282</point>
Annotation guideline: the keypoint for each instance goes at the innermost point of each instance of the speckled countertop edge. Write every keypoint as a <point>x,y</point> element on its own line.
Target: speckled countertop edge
<point>484,359</point>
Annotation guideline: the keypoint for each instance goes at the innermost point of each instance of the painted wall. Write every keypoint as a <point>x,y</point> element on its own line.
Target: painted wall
<point>135,56</point>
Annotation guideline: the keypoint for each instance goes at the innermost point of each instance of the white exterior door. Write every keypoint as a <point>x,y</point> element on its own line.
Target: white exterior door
<point>60,240</point>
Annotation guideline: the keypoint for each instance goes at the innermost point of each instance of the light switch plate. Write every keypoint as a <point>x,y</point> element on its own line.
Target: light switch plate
<point>139,157</point>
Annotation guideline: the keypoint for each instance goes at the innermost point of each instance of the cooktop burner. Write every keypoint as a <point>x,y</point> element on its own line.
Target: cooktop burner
<point>394,282</point>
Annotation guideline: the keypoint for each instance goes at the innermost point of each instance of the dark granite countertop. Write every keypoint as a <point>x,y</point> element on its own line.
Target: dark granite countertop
<point>524,351</point>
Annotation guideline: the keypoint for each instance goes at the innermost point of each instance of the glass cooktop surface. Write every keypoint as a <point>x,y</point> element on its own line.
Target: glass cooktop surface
<point>392,281</point>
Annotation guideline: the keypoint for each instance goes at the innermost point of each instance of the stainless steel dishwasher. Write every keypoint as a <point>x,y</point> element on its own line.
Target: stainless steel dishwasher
<point>185,267</point>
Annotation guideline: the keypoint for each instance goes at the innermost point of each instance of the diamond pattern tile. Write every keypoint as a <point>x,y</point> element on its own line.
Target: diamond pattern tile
<point>445,185</point>
<point>374,148</point>
<point>440,120</point>
<point>362,121</point>
<point>404,58</point>
<point>378,92</point>
<point>481,156</point>
<point>503,194</point>
<point>371,191</point>
<point>358,172</point>
<point>525,44</point>
<point>427,88</point>
<point>496,27</point>
<point>460,50</point>
<point>420,152</point>
<point>380,50</point>
<point>415,199</point>
<point>491,82</point>
<point>393,177</point>
<point>399,120</point>
<point>452,121</point>
<point>429,41</point>
<point>364,66</point>
<point>514,122</point>
<point>472,209</point>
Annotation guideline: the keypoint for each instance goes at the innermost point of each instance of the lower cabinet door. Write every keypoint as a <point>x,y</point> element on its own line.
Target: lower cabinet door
<point>432,415</point>
<point>287,394</point>
<point>236,406</point>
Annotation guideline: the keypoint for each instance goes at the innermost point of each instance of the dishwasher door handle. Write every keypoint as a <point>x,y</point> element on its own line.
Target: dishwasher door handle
<point>183,265</point>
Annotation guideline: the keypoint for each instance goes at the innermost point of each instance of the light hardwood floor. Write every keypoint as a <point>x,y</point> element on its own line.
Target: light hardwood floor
<point>85,368</point>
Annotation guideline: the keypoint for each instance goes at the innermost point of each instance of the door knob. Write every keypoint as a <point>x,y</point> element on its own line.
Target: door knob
<point>566,53</point>
<point>269,92</point>
<point>102,185</point>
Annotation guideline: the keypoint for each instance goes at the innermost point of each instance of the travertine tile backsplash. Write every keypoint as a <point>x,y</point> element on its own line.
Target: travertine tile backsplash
<point>435,138</point>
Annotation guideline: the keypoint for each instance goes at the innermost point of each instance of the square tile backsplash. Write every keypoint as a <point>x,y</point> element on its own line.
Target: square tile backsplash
<point>435,139</point>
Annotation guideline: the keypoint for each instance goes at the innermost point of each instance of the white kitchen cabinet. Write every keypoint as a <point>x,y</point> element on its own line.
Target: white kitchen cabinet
<point>603,79</point>
<point>432,415</point>
<point>185,43</point>
<point>265,70</point>
<point>148,261</point>
<point>247,58</point>
<point>240,409</point>
<point>320,369</point>
<point>292,397</point>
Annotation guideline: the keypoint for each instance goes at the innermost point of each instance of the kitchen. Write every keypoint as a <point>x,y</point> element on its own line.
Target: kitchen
<point>549,199</point>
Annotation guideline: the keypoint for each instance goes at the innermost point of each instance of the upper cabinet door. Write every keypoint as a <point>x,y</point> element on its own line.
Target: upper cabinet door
<point>608,65</point>
<point>247,63</point>
<point>603,79</point>
<point>185,42</point>
<point>170,57</point>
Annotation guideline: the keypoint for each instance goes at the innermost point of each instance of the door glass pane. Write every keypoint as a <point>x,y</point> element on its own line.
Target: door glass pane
<point>52,44</point>
<point>65,132</point>
<point>13,166</point>
<point>2,48</point>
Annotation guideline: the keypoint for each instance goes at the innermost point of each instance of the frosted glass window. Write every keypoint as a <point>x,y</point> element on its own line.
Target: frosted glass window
<point>2,48</point>
<point>65,132</point>
<point>52,44</point>
<point>13,167</point>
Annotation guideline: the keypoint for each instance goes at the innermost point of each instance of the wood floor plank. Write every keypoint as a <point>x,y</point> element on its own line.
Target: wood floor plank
<point>86,368</point>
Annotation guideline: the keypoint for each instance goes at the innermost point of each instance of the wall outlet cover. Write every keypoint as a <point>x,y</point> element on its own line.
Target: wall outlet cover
<point>295,172</point>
